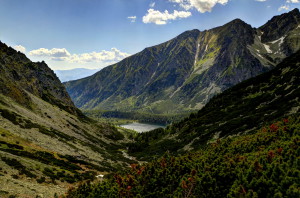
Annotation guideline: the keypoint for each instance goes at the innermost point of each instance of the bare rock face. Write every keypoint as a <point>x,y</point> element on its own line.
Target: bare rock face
<point>183,74</point>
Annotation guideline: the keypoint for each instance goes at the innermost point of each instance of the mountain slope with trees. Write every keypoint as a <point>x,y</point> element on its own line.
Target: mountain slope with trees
<point>241,109</point>
<point>243,143</point>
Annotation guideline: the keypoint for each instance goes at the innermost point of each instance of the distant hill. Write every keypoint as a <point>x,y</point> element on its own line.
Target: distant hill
<point>46,143</point>
<point>183,74</point>
<point>74,74</point>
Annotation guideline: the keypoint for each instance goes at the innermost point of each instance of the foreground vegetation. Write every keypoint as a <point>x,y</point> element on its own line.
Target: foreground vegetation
<point>263,164</point>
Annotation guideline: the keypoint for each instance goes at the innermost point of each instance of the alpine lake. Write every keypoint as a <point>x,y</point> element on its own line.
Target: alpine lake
<point>142,127</point>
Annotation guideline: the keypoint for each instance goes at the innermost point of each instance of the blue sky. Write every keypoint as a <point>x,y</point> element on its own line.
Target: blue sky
<point>96,33</point>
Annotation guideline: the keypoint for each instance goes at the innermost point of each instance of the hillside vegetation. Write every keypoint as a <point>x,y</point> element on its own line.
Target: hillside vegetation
<point>46,143</point>
<point>263,164</point>
<point>240,109</point>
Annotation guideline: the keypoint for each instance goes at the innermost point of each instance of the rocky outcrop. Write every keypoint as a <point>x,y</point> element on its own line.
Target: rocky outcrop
<point>19,75</point>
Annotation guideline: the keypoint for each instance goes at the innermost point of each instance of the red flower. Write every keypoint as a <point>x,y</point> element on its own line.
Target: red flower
<point>270,156</point>
<point>274,127</point>
<point>133,166</point>
<point>183,184</point>
<point>285,120</point>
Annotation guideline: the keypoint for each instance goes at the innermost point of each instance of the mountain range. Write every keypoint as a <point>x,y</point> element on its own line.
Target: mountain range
<point>243,143</point>
<point>74,74</point>
<point>183,74</point>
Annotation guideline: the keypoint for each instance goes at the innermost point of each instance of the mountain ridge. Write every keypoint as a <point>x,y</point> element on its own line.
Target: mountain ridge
<point>74,74</point>
<point>46,143</point>
<point>182,74</point>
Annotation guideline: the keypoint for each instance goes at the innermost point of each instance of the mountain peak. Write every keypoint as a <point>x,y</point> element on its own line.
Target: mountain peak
<point>193,33</point>
<point>236,21</point>
<point>280,25</point>
<point>179,75</point>
<point>295,11</point>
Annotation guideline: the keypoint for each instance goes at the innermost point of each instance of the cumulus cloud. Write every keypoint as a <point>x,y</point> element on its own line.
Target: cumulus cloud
<point>284,7</point>
<point>132,18</point>
<point>287,6</point>
<point>161,18</point>
<point>62,54</point>
<point>200,5</point>
<point>53,53</point>
<point>20,48</point>
<point>104,56</point>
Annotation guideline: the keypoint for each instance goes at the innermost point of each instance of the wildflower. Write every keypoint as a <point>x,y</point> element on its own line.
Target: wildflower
<point>274,127</point>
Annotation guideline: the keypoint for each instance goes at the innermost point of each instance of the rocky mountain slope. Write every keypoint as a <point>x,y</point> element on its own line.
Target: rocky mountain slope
<point>46,143</point>
<point>241,109</point>
<point>184,73</point>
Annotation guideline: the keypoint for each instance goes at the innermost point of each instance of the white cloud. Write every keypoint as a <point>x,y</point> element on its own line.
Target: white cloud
<point>293,1</point>
<point>284,7</point>
<point>200,5</point>
<point>104,56</point>
<point>261,0</point>
<point>53,53</point>
<point>56,54</point>
<point>152,4</point>
<point>20,48</point>
<point>132,18</point>
<point>161,18</point>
